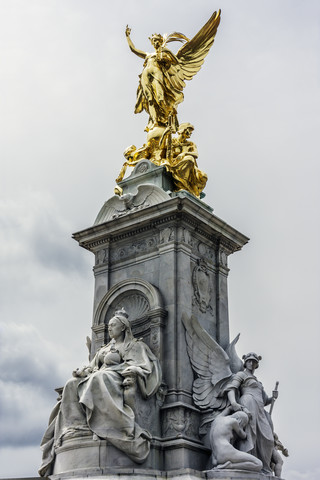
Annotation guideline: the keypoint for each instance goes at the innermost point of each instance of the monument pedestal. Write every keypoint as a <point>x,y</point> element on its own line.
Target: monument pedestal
<point>160,255</point>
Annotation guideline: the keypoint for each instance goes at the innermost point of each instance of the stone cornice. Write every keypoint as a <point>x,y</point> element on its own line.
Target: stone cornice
<point>174,211</point>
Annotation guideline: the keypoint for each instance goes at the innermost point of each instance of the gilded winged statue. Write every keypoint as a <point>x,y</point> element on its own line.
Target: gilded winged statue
<point>164,73</point>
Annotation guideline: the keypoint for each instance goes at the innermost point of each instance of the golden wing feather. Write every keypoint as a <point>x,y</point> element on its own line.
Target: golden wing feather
<point>192,54</point>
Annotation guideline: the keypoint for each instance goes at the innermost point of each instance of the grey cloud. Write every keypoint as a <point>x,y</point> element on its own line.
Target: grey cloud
<point>24,413</point>
<point>29,460</point>
<point>54,248</point>
<point>27,357</point>
<point>29,372</point>
<point>47,235</point>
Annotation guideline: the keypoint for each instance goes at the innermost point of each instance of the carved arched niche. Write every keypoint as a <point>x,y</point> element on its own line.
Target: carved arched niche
<point>143,303</point>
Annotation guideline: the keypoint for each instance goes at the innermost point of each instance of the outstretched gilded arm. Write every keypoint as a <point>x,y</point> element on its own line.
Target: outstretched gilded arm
<point>133,49</point>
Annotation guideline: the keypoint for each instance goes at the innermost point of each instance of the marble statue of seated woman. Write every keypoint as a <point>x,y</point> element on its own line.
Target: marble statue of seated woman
<point>93,399</point>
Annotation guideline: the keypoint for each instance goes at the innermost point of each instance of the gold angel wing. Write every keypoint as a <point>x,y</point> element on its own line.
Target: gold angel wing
<point>192,54</point>
<point>174,37</point>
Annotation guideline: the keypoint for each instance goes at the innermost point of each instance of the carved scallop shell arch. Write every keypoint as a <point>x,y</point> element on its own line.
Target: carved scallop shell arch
<point>136,305</point>
<point>125,291</point>
<point>144,305</point>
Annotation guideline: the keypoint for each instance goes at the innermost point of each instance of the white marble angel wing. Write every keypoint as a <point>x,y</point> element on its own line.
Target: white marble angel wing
<point>149,195</point>
<point>142,197</point>
<point>113,207</point>
<point>236,364</point>
<point>210,362</point>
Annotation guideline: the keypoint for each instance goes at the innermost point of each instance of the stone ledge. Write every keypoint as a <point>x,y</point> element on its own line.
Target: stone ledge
<point>148,474</point>
<point>228,474</point>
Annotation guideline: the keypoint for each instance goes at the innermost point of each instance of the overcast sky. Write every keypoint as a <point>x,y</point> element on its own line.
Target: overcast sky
<point>67,93</point>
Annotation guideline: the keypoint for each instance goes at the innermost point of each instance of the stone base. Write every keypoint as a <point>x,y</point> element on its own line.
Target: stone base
<point>83,453</point>
<point>77,455</point>
<point>146,474</point>
<point>228,474</point>
<point>146,173</point>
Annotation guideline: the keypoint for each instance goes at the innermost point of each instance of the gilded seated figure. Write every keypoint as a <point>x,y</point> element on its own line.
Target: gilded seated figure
<point>177,154</point>
<point>183,163</point>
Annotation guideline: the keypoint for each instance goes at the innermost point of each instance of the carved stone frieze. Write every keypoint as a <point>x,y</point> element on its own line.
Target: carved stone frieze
<point>206,252</point>
<point>143,246</point>
<point>102,257</point>
<point>167,235</point>
<point>180,421</point>
<point>202,287</point>
<point>223,258</point>
<point>185,236</point>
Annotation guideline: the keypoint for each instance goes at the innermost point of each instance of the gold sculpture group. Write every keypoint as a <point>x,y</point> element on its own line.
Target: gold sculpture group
<point>159,93</point>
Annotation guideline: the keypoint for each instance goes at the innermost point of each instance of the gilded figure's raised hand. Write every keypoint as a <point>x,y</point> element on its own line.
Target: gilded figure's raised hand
<point>128,31</point>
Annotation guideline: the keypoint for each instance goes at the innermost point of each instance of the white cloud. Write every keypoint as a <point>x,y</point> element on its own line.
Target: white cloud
<point>305,475</point>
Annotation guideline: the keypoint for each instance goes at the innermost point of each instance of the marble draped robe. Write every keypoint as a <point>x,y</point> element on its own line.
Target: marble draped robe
<point>260,439</point>
<point>95,403</point>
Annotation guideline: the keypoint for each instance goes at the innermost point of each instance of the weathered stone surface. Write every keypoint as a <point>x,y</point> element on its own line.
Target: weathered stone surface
<point>164,245</point>
<point>88,454</point>
<point>181,474</point>
<point>151,474</point>
<point>119,205</point>
<point>158,262</point>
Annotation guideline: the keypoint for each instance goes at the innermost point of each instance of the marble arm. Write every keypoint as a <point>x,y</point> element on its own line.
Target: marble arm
<point>82,372</point>
<point>232,399</point>
<point>239,431</point>
<point>269,400</point>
